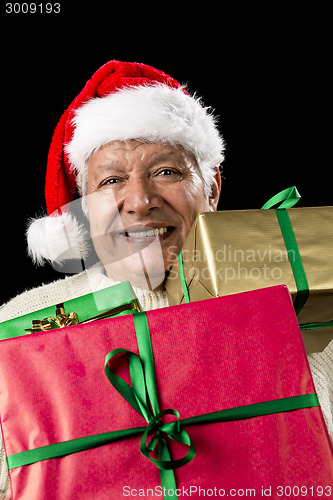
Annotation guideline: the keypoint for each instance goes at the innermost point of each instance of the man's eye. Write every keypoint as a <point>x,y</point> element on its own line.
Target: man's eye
<point>112,180</point>
<point>166,171</point>
<point>169,175</point>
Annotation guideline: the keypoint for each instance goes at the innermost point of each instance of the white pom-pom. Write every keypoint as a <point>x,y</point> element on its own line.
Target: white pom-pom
<point>56,238</point>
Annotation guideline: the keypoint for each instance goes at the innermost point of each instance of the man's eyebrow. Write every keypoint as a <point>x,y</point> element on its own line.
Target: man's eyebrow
<point>163,156</point>
<point>116,164</point>
<point>108,165</point>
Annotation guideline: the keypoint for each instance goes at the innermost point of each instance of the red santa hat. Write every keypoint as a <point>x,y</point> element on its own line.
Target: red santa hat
<point>121,101</point>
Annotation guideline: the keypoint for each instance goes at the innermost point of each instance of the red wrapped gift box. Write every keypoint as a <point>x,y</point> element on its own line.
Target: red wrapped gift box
<point>209,356</point>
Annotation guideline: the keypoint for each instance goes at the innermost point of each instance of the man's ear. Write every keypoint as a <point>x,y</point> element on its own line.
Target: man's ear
<point>215,191</point>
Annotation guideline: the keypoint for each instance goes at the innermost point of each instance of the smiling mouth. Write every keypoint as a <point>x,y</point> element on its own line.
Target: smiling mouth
<point>147,233</point>
<point>141,232</point>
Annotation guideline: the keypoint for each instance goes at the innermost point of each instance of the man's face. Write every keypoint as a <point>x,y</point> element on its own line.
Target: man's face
<point>142,200</point>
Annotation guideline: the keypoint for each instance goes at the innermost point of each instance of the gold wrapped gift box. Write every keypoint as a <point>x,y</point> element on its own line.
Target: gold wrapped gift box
<point>235,251</point>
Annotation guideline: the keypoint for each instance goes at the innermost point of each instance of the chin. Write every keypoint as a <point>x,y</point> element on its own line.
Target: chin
<point>145,269</point>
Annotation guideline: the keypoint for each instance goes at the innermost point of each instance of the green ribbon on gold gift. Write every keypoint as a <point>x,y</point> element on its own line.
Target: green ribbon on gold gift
<point>142,396</point>
<point>287,199</point>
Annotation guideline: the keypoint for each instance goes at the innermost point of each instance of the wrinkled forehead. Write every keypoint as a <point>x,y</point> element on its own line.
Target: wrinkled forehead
<point>122,154</point>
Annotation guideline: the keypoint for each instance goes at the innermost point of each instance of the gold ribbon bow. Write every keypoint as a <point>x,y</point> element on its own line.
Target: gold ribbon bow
<point>61,320</point>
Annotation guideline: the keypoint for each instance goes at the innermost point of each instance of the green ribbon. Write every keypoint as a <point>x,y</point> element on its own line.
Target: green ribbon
<point>296,263</point>
<point>142,396</point>
<point>316,325</point>
<point>289,197</point>
<point>182,278</point>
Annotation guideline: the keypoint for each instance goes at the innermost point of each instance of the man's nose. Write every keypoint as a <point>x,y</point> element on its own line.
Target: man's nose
<point>141,197</point>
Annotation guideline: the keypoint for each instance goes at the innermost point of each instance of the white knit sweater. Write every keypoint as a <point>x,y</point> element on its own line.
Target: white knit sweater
<point>95,279</point>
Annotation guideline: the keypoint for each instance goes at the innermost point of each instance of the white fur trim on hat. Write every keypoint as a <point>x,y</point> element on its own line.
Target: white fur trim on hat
<point>154,113</point>
<point>56,238</point>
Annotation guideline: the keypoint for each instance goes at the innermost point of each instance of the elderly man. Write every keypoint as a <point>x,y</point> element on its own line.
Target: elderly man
<point>144,156</point>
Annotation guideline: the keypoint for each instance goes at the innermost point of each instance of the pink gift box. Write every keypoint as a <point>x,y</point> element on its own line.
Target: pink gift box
<point>209,356</point>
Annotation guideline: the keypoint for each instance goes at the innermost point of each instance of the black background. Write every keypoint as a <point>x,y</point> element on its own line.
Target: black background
<point>266,74</point>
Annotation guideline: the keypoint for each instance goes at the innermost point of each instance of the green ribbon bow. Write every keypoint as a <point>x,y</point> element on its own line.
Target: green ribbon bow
<point>142,396</point>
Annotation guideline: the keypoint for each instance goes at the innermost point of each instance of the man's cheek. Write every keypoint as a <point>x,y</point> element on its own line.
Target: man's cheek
<point>96,230</point>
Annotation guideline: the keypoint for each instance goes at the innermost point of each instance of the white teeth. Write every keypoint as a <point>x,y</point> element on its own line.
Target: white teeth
<point>151,232</point>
